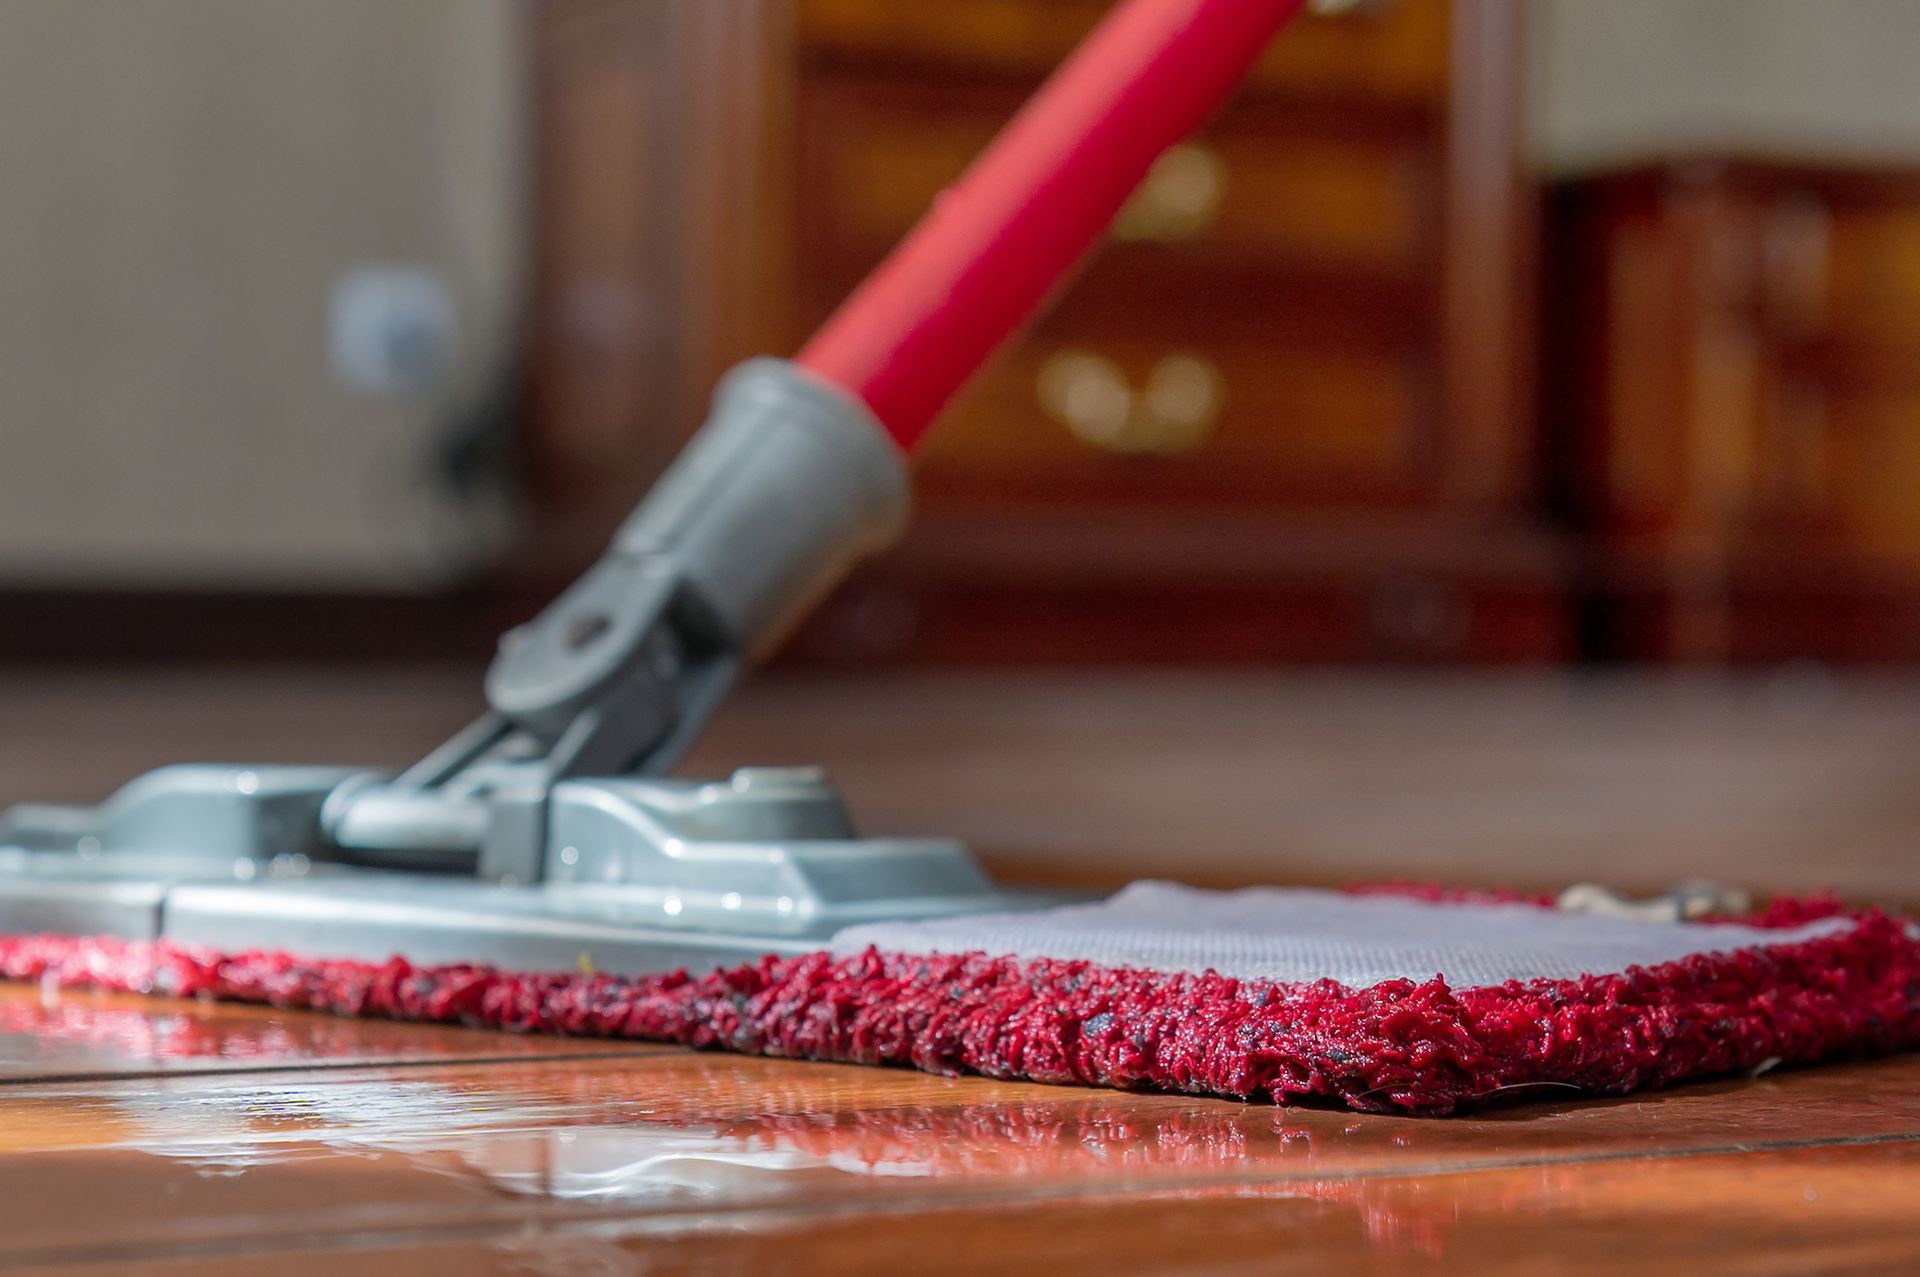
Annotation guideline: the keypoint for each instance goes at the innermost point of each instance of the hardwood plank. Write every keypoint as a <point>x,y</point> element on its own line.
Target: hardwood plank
<point>1799,781</point>
<point>684,1143</point>
<point>72,1035</point>
<point>160,1136</point>
<point>1793,1212</point>
<point>899,1120</point>
<point>1831,1209</point>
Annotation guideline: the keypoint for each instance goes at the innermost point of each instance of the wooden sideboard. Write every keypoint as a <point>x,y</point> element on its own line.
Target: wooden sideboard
<point>1736,396</point>
<point>1285,414</point>
<point>1281,414</point>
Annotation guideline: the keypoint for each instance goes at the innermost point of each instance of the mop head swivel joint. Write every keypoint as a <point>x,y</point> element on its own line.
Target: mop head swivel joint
<point>545,835</point>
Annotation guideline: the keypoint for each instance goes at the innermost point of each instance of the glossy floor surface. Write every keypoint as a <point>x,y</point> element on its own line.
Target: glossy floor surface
<point>173,1137</point>
<point>153,1136</point>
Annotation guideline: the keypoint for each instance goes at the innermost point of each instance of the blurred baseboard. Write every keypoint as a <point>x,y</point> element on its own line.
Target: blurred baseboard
<point>79,628</point>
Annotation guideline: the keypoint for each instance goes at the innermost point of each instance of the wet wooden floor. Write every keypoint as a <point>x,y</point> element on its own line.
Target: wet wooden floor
<point>155,1136</point>
<point>152,1136</point>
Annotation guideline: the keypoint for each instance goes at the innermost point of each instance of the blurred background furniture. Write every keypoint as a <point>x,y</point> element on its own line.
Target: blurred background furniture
<point>1473,331</point>
<point>1286,411</point>
<point>1736,407</point>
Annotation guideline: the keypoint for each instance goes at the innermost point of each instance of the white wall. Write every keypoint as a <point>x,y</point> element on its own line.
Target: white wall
<point>1618,80</point>
<point>184,180</point>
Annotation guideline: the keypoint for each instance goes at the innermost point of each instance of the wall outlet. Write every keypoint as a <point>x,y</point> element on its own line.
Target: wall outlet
<point>391,330</point>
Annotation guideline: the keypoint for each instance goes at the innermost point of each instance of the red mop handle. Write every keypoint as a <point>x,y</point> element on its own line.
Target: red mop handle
<point>996,242</point>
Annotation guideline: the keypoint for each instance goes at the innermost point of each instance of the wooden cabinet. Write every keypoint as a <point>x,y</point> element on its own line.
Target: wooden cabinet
<point>1259,327</point>
<point>1739,386</point>
<point>662,243</point>
<point>1283,413</point>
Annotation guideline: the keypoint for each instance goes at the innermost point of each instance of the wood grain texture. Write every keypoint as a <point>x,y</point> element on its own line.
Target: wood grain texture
<point>164,1137</point>
<point>666,1160</point>
<point>108,1036</point>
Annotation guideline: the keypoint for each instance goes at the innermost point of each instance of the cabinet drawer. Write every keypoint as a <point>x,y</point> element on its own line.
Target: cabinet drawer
<point>1389,50</point>
<point>1139,422</point>
<point>1837,447</point>
<point>1839,435</point>
<point>1873,472</point>
<point>1859,267</point>
<point>1257,189</point>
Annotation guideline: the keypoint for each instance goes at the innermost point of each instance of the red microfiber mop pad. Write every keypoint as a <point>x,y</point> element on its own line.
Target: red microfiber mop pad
<point>1379,1001</point>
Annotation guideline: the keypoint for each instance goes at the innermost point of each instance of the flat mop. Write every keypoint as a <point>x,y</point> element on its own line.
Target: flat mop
<point>541,870</point>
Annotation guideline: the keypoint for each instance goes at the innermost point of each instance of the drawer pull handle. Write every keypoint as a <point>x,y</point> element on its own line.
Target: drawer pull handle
<point>1174,412</point>
<point>1178,200</point>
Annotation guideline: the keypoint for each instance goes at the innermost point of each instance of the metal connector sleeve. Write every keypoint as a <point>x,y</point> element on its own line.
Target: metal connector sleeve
<point>789,483</point>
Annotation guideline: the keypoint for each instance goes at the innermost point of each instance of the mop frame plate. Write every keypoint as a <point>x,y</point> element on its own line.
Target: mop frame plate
<point>640,875</point>
<point>548,834</point>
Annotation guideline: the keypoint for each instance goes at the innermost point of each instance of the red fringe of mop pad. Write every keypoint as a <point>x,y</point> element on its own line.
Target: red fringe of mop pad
<point>1386,1002</point>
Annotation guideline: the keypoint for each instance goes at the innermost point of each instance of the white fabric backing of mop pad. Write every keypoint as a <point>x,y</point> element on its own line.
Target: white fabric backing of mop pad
<point>1294,935</point>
